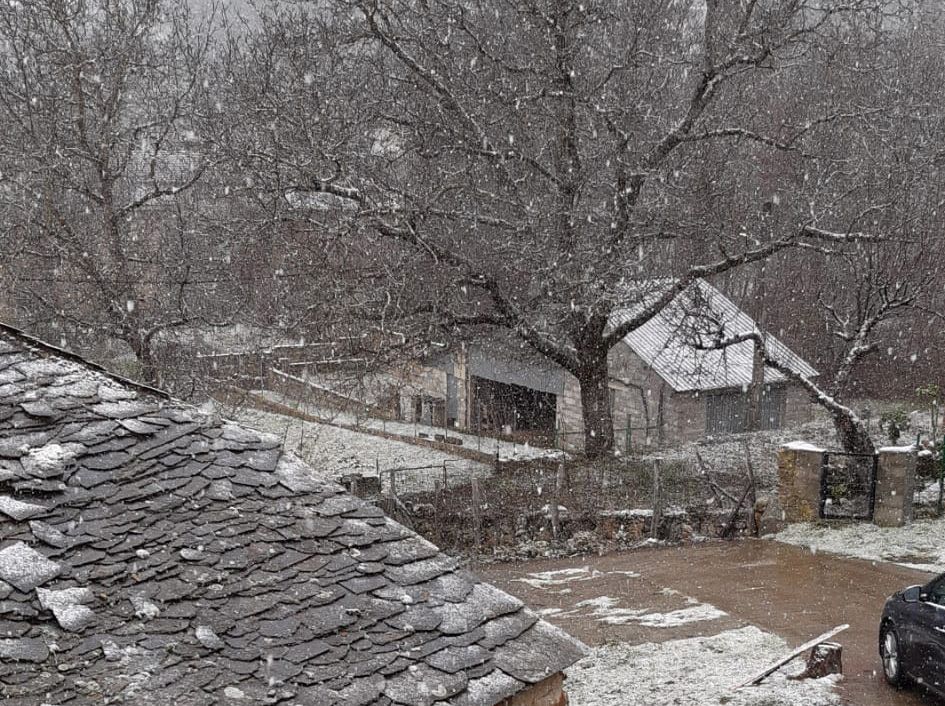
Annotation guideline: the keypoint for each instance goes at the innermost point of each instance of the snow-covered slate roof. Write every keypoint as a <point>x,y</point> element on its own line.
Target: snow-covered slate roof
<point>151,553</point>
<point>664,343</point>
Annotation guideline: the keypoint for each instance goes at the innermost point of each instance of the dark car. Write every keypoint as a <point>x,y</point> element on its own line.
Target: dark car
<point>912,636</point>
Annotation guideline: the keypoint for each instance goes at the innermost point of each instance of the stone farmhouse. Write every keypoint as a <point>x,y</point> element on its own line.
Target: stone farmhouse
<point>662,387</point>
<point>152,553</point>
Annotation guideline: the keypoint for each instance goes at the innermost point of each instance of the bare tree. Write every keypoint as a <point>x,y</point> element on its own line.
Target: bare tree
<point>101,159</point>
<point>870,289</point>
<point>545,163</point>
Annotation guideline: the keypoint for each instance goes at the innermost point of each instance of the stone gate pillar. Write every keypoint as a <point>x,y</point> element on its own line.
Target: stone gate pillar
<point>799,468</point>
<point>895,481</point>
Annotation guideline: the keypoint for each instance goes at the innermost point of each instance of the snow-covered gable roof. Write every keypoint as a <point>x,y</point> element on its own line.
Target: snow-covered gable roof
<point>701,313</point>
<point>151,554</point>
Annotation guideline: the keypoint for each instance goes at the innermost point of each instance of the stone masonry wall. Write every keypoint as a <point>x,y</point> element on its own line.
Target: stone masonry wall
<point>895,478</point>
<point>798,408</point>
<point>799,468</point>
<point>549,692</point>
<point>685,417</point>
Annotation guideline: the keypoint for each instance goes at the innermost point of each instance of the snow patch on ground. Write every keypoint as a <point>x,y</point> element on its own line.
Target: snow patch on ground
<point>694,672</point>
<point>918,545</point>
<point>544,580</point>
<point>802,446</point>
<point>897,449</point>
<point>683,616</point>
<point>605,610</point>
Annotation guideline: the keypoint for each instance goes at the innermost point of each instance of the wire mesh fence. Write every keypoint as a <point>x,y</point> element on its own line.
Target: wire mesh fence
<point>554,500</point>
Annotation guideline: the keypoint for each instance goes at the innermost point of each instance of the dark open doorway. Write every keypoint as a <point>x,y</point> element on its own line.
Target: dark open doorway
<point>504,408</point>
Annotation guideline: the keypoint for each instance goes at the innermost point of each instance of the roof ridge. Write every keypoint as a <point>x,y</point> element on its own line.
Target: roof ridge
<point>38,344</point>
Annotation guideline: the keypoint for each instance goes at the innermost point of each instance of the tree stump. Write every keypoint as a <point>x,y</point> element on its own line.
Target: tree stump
<point>824,659</point>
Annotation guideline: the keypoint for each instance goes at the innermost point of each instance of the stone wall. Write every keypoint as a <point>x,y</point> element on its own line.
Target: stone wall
<point>895,479</point>
<point>640,394</point>
<point>424,381</point>
<point>798,408</point>
<point>685,417</point>
<point>799,491</point>
<point>569,417</point>
<point>799,469</point>
<point>549,692</point>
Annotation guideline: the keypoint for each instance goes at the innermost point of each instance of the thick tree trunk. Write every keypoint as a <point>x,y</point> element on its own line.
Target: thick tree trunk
<point>595,404</point>
<point>851,432</point>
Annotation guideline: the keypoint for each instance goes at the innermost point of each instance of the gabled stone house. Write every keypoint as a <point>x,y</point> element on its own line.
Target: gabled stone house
<point>153,554</point>
<point>661,386</point>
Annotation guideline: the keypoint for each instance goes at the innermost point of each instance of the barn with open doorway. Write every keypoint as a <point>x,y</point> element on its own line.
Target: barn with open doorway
<point>505,408</point>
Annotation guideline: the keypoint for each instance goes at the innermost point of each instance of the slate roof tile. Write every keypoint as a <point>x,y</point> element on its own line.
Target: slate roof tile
<point>175,557</point>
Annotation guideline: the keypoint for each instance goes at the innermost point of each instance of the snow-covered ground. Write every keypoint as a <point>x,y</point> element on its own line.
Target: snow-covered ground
<point>927,494</point>
<point>337,452</point>
<point>694,672</point>
<point>507,450</point>
<point>918,545</point>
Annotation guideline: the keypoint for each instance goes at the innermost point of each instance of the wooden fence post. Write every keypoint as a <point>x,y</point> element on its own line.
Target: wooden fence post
<point>437,502</point>
<point>556,501</point>
<point>445,484</point>
<point>476,508</point>
<point>753,527</point>
<point>941,477</point>
<point>393,487</point>
<point>657,500</point>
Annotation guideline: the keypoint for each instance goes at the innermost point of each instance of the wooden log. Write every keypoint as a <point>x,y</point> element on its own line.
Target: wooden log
<point>729,528</point>
<point>790,657</point>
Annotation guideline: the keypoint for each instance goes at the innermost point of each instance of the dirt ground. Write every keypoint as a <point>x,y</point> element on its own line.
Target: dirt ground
<point>779,588</point>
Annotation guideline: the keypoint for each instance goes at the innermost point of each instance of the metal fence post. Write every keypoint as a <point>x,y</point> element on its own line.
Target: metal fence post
<point>444,475</point>
<point>629,432</point>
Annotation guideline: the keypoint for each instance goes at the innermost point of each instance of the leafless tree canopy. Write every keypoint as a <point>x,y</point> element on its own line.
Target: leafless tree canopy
<point>553,170</point>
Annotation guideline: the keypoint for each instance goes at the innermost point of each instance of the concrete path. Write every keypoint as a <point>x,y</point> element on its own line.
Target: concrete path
<point>777,587</point>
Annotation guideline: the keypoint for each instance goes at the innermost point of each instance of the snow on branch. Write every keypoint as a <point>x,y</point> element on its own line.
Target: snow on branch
<point>831,404</point>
